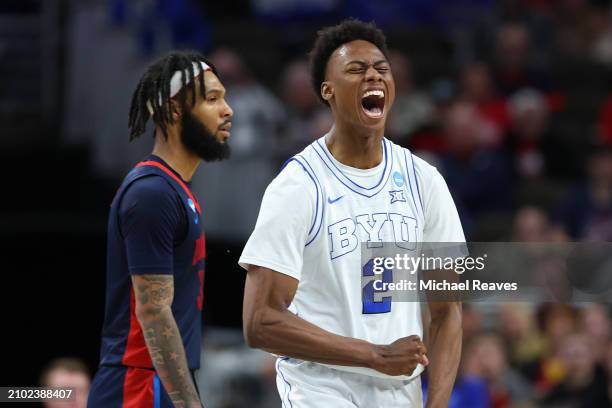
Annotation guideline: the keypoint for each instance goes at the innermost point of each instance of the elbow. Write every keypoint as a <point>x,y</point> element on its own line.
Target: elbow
<point>145,314</point>
<point>253,337</point>
<point>257,329</point>
<point>253,332</point>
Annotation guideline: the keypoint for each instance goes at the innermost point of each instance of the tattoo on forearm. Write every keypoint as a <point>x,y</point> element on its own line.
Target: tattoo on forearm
<point>164,341</point>
<point>155,289</point>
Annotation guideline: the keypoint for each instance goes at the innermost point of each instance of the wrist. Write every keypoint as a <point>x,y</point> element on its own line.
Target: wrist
<point>375,355</point>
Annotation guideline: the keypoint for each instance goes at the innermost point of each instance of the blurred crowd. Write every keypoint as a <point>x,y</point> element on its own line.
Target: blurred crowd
<point>520,124</point>
<point>511,100</point>
<point>521,128</point>
<point>551,355</point>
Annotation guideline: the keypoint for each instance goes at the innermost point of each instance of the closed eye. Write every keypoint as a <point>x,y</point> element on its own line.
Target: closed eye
<point>380,66</point>
<point>356,70</point>
<point>214,94</point>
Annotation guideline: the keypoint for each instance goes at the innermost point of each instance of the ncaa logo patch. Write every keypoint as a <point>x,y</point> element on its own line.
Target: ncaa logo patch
<point>398,179</point>
<point>193,208</point>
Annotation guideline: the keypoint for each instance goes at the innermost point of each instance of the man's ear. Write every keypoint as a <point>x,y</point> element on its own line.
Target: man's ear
<point>175,110</point>
<point>327,91</point>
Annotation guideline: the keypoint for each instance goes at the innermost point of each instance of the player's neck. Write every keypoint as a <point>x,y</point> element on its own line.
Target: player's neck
<point>361,150</point>
<point>173,152</point>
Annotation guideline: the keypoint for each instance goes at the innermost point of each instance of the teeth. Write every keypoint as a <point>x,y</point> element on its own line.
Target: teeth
<point>377,93</point>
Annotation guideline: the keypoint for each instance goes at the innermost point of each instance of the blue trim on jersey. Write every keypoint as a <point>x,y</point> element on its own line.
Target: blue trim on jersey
<point>285,380</point>
<point>322,200</point>
<point>410,182</point>
<point>385,156</point>
<point>416,180</point>
<point>381,183</point>
<point>289,160</point>
<point>316,187</point>
<point>319,191</point>
<point>156,392</point>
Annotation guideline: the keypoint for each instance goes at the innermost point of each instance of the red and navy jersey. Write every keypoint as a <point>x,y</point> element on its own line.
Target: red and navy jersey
<point>154,227</point>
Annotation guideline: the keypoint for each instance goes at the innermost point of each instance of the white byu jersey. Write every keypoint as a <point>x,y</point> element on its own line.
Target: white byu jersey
<point>316,213</point>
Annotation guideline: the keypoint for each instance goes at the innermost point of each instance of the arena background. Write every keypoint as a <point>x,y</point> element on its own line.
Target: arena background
<point>511,100</point>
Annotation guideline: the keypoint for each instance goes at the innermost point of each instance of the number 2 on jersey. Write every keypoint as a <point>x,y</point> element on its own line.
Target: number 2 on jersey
<point>370,305</point>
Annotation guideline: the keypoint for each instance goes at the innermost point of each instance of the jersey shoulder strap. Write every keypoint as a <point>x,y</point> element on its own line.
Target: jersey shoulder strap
<point>317,219</point>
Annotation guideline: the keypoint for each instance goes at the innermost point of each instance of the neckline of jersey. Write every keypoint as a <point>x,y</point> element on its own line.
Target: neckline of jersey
<point>162,161</point>
<point>374,171</point>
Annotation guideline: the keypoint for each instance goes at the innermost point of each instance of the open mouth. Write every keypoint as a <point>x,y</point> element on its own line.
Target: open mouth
<point>373,103</point>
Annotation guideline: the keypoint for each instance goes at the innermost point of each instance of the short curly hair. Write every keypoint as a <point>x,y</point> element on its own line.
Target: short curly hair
<point>330,38</point>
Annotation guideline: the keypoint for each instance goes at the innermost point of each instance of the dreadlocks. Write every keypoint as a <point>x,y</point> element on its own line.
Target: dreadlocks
<point>153,91</point>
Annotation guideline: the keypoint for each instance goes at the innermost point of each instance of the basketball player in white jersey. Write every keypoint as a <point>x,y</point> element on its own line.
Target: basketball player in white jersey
<point>339,344</point>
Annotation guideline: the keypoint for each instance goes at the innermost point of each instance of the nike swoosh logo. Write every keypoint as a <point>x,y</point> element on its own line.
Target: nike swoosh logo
<point>330,201</point>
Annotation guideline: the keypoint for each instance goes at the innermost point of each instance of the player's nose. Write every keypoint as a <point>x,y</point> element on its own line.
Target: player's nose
<point>372,74</point>
<point>227,111</point>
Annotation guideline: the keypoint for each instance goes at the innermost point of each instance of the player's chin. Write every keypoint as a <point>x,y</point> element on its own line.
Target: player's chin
<point>223,136</point>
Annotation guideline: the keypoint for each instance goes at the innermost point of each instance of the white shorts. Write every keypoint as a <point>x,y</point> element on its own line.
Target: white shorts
<point>303,384</point>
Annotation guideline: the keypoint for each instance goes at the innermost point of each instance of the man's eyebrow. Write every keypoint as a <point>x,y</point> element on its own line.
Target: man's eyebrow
<point>214,90</point>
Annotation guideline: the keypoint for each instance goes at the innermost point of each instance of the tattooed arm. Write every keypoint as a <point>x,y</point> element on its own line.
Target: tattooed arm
<point>154,294</point>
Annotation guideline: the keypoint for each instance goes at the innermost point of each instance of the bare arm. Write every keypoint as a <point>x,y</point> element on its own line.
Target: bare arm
<point>154,294</point>
<point>445,336</point>
<point>270,326</point>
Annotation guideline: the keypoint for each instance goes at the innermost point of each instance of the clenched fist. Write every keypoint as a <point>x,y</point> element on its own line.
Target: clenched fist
<point>400,357</point>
